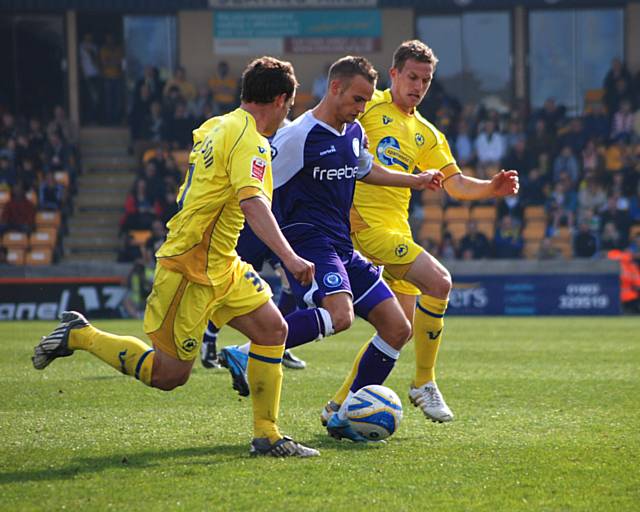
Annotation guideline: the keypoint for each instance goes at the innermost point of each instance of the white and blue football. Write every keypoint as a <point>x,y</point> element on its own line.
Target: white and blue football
<point>375,412</point>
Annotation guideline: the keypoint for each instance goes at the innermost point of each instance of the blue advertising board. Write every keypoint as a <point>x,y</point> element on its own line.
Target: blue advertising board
<point>548,294</point>
<point>308,23</point>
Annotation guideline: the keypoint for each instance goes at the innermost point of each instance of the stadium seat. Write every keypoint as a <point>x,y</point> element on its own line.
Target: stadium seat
<point>15,256</point>
<point>564,246</point>
<point>531,248</point>
<point>456,213</point>
<point>39,257</point>
<point>140,236</point>
<point>43,238</point>
<point>563,233</point>
<point>433,197</point>
<point>534,230</point>
<point>432,230</point>
<point>457,229</point>
<point>484,213</point>
<point>48,219</point>
<point>534,213</point>
<point>487,227</point>
<point>433,213</point>
<point>15,240</point>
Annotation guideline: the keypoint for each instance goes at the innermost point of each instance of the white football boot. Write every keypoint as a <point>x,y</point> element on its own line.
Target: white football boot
<point>431,401</point>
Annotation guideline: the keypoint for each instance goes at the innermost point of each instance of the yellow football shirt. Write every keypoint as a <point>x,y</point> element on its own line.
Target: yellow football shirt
<point>230,161</point>
<point>401,142</point>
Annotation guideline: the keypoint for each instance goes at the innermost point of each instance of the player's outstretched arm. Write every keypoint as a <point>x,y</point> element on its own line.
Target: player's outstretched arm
<point>258,214</point>
<point>387,178</point>
<point>466,188</point>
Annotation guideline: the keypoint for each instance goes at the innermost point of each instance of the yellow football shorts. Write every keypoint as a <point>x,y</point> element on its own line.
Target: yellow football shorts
<point>394,249</point>
<point>178,310</point>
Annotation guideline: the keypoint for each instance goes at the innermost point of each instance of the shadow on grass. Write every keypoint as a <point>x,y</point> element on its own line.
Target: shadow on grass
<point>202,455</point>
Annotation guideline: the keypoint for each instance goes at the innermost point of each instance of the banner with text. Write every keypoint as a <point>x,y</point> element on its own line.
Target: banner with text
<point>568,294</point>
<point>309,31</point>
<point>46,298</point>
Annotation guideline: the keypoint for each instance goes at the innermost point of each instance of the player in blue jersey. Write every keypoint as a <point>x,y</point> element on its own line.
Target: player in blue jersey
<point>317,160</point>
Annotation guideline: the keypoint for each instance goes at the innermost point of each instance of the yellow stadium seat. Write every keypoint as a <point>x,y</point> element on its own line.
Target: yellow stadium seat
<point>563,233</point>
<point>433,213</point>
<point>140,236</point>
<point>534,230</point>
<point>39,257</point>
<point>487,227</point>
<point>433,197</point>
<point>456,213</point>
<point>484,213</point>
<point>457,229</point>
<point>431,230</point>
<point>15,256</point>
<point>48,219</point>
<point>564,246</point>
<point>534,213</point>
<point>15,240</point>
<point>43,238</point>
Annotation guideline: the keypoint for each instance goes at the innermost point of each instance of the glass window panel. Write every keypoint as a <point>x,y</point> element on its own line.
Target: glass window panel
<point>474,52</point>
<point>551,57</point>
<point>570,52</point>
<point>487,53</point>
<point>600,38</point>
<point>150,41</point>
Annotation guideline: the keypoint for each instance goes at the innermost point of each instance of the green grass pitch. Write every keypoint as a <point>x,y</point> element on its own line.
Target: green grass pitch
<point>547,418</point>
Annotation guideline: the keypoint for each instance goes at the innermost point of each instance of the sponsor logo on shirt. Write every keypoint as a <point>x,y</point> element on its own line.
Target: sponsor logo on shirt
<point>386,120</point>
<point>388,152</point>
<point>355,144</point>
<point>419,139</point>
<point>342,173</point>
<point>258,167</point>
<point>262,150</point>
<point>332,149</point>
<point>332,280</point>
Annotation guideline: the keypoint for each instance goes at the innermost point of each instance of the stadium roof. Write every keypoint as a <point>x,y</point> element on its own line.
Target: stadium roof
<point>154,6</point>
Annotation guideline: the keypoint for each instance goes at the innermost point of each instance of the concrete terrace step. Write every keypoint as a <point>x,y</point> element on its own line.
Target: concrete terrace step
<point>94,199</point>
<point>94,135</point>
<point>98,220</point>
<point>105,180</point>
<point>87,257</point>
<point>109,162</point>
<point>90,244</point>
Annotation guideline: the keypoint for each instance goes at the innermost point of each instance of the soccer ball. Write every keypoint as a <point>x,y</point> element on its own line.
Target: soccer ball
<point>375,412</point>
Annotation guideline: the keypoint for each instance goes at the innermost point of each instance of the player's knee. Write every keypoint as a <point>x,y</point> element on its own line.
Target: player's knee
<point>280,331</point>
<point>398,333</point>
<point>169,381</point>
<point>442,284</point>
<point>342,319</point>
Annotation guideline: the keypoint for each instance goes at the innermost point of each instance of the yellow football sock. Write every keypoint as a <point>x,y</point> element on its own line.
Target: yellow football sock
<point>428,325</point>
<point>126,354</point>
<point>342,393</point>
<point>264,371</point>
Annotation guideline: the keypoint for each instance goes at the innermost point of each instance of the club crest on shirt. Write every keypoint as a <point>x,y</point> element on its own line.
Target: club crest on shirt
<point>355,143</point>
<point>332,280</point>
<point>258,167</point>
<point>419,139</point>
<point>386,120</point>
<point>189,344</point>
<point>402,250</point>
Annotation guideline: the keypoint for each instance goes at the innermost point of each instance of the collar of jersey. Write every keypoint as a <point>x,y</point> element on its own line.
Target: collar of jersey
<point>389,99</point>
<point>326,126</point>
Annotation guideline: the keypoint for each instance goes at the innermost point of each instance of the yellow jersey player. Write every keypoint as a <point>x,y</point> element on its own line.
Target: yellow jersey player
<point>200,276</point>
<point>401,139</point>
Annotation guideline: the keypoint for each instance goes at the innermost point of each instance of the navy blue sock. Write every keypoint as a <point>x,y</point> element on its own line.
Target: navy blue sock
<point>374,368</point>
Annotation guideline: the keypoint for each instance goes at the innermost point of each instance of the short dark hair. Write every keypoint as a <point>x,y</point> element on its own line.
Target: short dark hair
<point>350,66</point>
<point>413,49</point>
<point>266,78</point>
